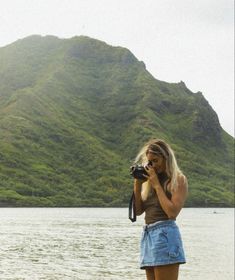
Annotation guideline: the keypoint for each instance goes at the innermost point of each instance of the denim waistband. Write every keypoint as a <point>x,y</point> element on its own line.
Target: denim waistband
<point>159,224</point>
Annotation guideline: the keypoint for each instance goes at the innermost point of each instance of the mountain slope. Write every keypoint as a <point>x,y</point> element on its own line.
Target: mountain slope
<point>73,114</point>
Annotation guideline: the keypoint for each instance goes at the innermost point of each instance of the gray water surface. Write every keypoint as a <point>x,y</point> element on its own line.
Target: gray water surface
<point>99,243</point>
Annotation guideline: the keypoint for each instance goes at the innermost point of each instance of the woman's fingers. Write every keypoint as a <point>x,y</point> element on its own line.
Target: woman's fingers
<point>146,169</point>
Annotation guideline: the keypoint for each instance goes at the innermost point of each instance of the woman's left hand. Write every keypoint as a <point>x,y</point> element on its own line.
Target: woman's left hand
<point>152,176</point>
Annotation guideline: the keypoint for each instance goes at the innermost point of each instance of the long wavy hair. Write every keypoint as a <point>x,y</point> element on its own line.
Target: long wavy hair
<point>161,148</point>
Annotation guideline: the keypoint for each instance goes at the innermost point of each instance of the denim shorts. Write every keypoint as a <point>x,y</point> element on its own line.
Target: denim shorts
<point>161,244</point>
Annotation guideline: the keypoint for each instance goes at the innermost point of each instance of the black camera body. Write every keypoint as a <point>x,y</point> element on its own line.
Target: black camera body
<point>138,171</point>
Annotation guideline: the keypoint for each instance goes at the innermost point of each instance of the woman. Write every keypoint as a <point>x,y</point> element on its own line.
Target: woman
<point>161,196</point>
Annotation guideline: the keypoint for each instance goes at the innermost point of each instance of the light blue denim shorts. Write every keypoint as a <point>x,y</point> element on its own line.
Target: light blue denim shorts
<point>161,244</point>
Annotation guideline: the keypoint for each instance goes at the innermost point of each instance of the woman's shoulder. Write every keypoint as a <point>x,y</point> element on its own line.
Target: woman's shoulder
<point>181,178</point>
<point>182,182</point>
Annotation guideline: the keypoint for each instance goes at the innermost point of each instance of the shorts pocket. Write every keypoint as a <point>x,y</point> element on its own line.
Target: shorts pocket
<point>174,242</point>
<point>174,251</point>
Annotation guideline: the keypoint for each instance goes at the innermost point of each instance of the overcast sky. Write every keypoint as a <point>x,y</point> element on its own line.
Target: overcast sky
<point>188,40</point>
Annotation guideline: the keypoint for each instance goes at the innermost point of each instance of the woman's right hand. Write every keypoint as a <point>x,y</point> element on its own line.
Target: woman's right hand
<point>139,182</point>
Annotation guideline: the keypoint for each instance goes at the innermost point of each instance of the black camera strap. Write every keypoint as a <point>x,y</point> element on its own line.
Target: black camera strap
<point>132,210</point>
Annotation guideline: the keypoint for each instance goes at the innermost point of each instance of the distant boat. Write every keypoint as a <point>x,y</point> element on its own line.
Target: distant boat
<point>215,212</point>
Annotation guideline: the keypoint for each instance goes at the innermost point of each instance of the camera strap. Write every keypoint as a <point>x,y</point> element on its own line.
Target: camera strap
<point>132,210</point>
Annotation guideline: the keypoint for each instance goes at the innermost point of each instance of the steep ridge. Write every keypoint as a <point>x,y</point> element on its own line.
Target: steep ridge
<point>73,114</point>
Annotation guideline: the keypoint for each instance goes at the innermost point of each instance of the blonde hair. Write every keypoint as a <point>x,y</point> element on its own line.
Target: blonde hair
<point>160,148</point>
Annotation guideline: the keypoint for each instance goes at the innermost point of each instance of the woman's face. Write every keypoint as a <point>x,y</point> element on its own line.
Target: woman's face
<point>158,162</point>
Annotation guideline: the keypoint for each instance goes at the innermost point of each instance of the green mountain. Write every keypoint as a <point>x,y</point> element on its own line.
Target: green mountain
<point>74,113</point>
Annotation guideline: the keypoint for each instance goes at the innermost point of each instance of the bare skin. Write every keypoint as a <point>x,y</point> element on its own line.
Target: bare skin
<point>171,207</point>
<point>164,272</point>
<point>150,273</point>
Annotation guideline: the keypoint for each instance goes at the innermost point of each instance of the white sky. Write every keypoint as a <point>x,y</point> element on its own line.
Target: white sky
<point>188,40</point>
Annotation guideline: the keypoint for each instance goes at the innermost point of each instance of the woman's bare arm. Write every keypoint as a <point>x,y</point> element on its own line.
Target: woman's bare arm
<point>138,201</point>
<point>172,207</point>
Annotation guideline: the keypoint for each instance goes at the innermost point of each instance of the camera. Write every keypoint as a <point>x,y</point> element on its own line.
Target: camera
<point>138,171</point>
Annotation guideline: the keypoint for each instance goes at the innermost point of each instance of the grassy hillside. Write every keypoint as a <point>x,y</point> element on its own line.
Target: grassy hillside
<point>73,114</point>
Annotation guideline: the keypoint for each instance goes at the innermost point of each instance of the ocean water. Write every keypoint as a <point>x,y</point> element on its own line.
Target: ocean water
<point>102,243</point>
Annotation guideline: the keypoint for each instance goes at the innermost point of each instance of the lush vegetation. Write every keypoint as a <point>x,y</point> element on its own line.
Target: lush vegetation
<point>73,114</point>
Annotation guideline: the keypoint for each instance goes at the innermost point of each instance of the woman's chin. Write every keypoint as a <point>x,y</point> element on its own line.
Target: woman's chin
<point>159,170</point>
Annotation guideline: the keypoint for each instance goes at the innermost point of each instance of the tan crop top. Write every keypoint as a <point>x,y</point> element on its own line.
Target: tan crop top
<point>152,206</point>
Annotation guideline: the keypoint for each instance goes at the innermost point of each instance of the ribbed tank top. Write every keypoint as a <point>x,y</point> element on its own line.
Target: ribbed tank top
<point>152,206</point>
